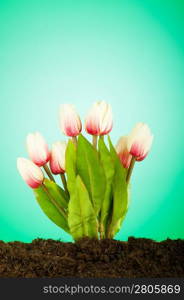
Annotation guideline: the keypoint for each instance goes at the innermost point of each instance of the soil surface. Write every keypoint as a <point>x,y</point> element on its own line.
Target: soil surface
<point>91,258</point>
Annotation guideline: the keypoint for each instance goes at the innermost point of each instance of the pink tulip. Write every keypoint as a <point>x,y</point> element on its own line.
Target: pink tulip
<point>57,161</point>
<point>122,150</point>
<point>38,149</point>
<point>140,141</point>
<point>99,119</point>
<point>70,122</point>
<point>30,172</point>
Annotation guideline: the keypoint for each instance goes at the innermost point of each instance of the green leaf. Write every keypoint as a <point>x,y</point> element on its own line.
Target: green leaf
<point>50,205</point>
<point>108,166</point>
<point>57,193</point>
<point>120,221</point>
<point>90,169</point>
<point>71,166</point>
<point>81,216</point>
<point>106,159</point>
<point>120,193</point>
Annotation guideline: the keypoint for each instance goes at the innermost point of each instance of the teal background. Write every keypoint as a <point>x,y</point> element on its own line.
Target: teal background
<point>129,53</point>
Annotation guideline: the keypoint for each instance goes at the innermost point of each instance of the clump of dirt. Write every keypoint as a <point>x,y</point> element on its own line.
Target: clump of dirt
<point>137,257</point>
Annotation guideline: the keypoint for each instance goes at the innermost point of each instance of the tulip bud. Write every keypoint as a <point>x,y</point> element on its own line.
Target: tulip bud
<point>37,149</point>
<point>30,172</point>
<point>99,119</point>
<point>70,122</point>
<point>123,153</point>
<point>57,161</point>
<point>140,141</point>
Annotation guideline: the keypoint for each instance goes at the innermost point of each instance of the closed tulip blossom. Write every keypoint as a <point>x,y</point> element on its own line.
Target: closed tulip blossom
<point>38,149</point>
<point>99,119</point>
<point>123,153</point>
<point>57,161</point>
<point>30,172</point>
<point>140,141</point>
<point>70,122</point>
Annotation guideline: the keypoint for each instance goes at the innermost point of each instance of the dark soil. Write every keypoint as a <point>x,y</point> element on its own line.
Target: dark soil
<point>92,258</point>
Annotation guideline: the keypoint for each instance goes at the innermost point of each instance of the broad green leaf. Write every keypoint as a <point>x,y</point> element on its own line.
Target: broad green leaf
<point>90,170</point>
<point>119,223</point>
<point>108,166</point>
<point>106,159</point>
<point>57,193</point>
<point>71,166</point>
<point>51,206</point>
<point>81,216</point>
<point>120,193</point>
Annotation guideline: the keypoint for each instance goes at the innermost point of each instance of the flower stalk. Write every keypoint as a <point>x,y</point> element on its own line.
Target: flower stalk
<point>74,140</point>
<point>64,182</point>
<point>48,172</point>
<point>94,141</point>
<point>132,163</point>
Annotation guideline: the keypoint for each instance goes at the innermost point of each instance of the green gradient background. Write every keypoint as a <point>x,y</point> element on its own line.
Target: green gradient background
<point>129,53</point>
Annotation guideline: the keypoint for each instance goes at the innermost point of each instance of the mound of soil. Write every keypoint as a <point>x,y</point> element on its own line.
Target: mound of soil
<point>92,258</point>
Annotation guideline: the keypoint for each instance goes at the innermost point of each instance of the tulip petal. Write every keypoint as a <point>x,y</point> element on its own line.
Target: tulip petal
<point>57,161</point>
<point>140,141</point>
<point>70,122</point>
<point>123,153</point>
<point>37,149</point>
<point>30,172</point>
<point>99,119</point>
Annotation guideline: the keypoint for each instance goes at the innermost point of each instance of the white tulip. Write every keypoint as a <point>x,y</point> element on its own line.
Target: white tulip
<point>30,172</point>
<point>70,122</point>
<point>140,141</point>
<point>37,149</point>
<point>122,151</point>
<point>99,119</point>
<point>57,161</point>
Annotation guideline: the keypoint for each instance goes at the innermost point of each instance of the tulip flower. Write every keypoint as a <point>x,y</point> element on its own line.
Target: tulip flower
<point>99,119</point>
<point>38,149</point>
<point>57,161</point>
<point>140,141</point>
<point>70,122</point>
<point>30,172</point>
<point>123,153</point>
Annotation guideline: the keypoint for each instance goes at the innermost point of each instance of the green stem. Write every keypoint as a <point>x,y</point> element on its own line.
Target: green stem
<point>94,141</point>
<point>74,140</point>
<point>109,234</point>
<point>132,163</point>
<point>63,179</point>
<point>60,209</point>
<point>47,170</point>
<point>102,137</point>
<point>101,231</point>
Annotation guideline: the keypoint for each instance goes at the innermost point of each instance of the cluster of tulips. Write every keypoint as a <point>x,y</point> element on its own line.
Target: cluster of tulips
<point>94,196</point>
